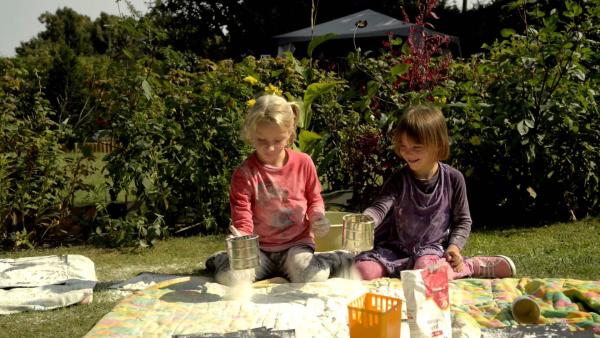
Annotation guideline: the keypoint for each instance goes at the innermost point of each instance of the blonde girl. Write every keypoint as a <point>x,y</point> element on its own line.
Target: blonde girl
<point>276,194</point>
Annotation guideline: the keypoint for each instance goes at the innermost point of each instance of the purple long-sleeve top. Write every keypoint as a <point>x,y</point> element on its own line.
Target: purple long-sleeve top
<point>415,217</point>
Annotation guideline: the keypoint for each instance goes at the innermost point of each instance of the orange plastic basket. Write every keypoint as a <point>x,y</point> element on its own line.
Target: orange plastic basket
<point>377,316</point>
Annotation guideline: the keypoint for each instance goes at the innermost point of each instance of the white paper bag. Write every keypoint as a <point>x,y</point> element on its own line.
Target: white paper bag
<point>427,302</point>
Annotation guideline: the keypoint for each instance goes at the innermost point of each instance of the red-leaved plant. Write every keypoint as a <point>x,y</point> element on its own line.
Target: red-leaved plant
<point>425,70</point>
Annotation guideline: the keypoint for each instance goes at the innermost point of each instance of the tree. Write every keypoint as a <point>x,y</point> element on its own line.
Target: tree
<point>65,84</point>
<point>195,26</point>
<point>102,33</point>
<point>228,28</point>
<point>65,27</point>
<point>253,23</point>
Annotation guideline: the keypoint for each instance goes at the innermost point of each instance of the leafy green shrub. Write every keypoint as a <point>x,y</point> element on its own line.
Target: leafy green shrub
<point>179,140</point>
<point>133,228</point>
<point>177,145</point>
<point>404,73</point>
<point>525,120</point>
<point>37,180</point>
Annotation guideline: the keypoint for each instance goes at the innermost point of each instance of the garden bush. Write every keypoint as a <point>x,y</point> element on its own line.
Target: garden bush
<point>523,117</point>
<point>525,120</point>
<point>179,142</point>
<point>38,183</point>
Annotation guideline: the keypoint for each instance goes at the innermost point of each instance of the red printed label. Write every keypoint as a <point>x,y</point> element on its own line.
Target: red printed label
<point>436,285</point>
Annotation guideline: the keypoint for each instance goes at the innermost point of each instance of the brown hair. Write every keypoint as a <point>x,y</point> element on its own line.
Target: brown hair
<point>425,125</point>
<point>274,109</point>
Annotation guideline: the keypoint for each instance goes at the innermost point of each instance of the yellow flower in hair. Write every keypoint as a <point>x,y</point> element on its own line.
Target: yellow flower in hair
<point>273,90</point>
<point>251,80</point>
<point>250,103</point>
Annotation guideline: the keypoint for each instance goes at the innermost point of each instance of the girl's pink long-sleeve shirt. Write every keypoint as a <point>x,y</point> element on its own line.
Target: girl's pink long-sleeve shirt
<point>278,204</point>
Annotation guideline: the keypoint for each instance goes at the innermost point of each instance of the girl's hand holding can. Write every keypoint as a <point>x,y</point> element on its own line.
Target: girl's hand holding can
<point>320,226</point>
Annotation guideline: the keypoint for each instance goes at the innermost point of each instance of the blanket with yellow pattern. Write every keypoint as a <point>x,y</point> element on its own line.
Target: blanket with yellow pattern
<point>197,306</point>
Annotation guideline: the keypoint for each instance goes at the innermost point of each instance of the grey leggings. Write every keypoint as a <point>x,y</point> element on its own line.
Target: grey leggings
<point>299,264</point>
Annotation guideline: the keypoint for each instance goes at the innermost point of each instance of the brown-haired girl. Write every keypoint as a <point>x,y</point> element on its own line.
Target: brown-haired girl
<point>422,214</point>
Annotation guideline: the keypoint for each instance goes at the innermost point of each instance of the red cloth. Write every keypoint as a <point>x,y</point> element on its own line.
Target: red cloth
<point>278,204</point>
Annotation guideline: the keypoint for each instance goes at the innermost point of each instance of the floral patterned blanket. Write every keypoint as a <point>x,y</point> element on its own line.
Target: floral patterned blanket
<point>195,306</point>
<point>487,302</point>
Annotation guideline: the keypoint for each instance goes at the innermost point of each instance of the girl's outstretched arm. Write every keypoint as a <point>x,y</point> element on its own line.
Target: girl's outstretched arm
<point>385,200</point>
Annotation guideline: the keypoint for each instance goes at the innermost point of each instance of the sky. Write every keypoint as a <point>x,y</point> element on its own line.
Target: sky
<point>19,18</point>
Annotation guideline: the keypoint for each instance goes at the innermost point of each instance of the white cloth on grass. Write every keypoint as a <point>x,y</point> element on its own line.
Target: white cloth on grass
<point>45,282</point>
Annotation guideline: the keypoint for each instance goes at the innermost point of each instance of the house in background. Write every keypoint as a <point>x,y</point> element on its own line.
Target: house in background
<point>366,30</point>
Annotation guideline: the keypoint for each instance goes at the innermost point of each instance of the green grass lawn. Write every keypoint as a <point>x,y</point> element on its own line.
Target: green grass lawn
<point>567,250</point>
